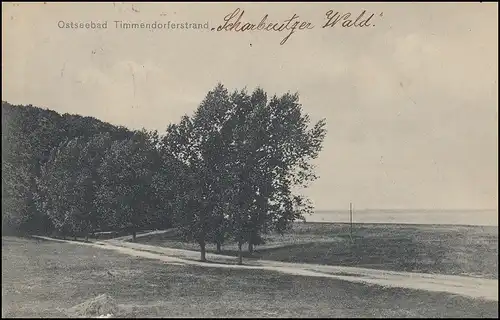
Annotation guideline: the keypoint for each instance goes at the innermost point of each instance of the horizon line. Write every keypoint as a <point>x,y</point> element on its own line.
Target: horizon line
<point>416,209</point>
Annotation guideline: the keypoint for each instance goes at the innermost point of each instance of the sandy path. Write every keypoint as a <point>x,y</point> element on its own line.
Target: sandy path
<point>140,235</point>
<point>467,286</point>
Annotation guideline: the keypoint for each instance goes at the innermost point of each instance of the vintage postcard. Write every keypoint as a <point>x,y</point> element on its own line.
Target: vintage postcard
<point>247,159</point>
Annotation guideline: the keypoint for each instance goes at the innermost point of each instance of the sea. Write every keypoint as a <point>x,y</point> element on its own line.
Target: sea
<point>441,217</point>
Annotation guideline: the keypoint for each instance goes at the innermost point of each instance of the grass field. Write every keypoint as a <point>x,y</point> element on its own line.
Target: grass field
<point>454,250</point>
<point>43,278</point>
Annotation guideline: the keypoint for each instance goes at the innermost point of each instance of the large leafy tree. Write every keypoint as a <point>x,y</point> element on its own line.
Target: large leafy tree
<point>28,136</point>
<point>190,215</point>
<point>242,157</point>
<point>127,197</point>
<point>272,153</point>
<point>68,184</point>
<point>199,146</point>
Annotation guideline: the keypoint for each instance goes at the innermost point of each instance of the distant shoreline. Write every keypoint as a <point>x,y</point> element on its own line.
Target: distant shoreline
<point>464,217</point>
<point>406,210</point>
<point>400,224</point>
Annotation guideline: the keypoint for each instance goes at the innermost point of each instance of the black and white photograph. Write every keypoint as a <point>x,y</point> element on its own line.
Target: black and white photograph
<point>249,160</point>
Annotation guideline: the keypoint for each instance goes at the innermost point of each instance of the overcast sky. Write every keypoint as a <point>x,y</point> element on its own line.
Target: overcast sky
<point>411,103</point>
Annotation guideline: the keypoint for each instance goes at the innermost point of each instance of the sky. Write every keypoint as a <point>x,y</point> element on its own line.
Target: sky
<point>411,102</point>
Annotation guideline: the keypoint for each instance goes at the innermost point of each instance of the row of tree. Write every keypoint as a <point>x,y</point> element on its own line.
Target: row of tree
<point>29,134</point>
<point>226,173</point>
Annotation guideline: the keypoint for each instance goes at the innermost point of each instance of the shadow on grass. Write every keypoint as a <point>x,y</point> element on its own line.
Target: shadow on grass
<point>35,288</point>
<point>418,252</point>
<point>447,255</point>
<point>459,250</point>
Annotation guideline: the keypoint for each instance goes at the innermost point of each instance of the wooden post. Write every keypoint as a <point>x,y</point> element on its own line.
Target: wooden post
<point>350,219</point>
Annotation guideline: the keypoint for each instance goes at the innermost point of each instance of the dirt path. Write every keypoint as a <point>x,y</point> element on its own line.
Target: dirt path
<point>140,235</point>
<point>467,286</point>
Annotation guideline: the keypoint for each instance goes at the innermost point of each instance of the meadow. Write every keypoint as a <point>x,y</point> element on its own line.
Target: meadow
<point>444,249</point>
<point>45,278</point>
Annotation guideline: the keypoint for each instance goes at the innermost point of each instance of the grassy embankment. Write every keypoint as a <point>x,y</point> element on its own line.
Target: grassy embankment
<point>43,278</point>
<point>454,250</point>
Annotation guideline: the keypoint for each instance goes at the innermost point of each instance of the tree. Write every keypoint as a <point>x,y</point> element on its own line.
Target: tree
<point>126,197</point>
<point>89,179</point>
<point>197,143</point>
<point>273,149</point>
<point>59,189</point>
<point>164,176</point>
<point>28,136</point>
<point>181,144</point>
<point>19,210</point>
<point>220,230</point>
<point>69,182</point>
<point>242,156</point>
<point>209,124</point>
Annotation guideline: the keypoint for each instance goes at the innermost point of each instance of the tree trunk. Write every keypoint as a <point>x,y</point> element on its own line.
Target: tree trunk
<point>250,248</point>
<point>87,237</point>
<point>202,236</point>
<point>74,237</point>
<point>240,253</point>
<point>134,235</point>
<point>203,251</point>
<point>219,249</point>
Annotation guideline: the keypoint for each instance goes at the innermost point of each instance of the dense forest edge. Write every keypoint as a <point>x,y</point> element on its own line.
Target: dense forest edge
<point>228,172</point>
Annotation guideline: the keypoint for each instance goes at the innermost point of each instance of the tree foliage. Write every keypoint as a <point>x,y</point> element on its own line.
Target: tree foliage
<point>68,184</point>
<point>126,197</point>
<point>228,172</point>
<point>242,155</point>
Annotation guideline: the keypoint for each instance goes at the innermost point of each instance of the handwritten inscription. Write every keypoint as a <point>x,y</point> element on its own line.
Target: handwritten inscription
<point>234,21</point>
<point>347,20</point>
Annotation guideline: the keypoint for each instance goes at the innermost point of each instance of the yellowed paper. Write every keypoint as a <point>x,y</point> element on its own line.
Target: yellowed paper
<point>409,92</point>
